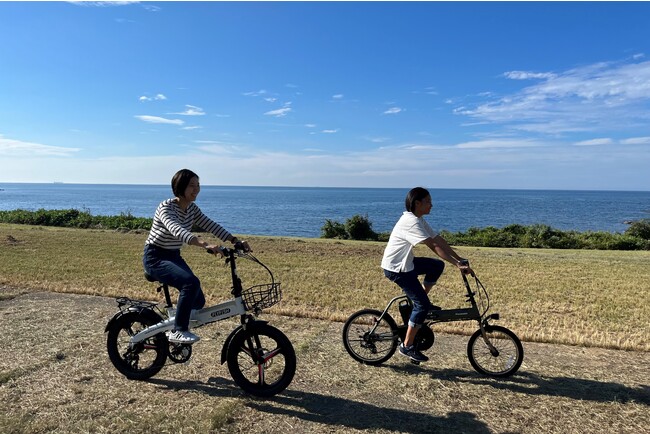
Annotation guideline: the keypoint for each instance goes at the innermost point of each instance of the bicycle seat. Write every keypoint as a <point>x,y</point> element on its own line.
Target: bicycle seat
<point>150,278</point>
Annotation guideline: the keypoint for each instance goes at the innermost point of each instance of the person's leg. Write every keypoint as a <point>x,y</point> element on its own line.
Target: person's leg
<point>431,268</point>
<point>413,289</point>
<point>199,299</point>
<point>170,268</point>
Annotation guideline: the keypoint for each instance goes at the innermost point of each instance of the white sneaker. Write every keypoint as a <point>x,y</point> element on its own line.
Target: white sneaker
<point>182,337</point>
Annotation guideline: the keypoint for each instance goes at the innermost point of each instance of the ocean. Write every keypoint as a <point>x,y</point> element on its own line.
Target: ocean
<point>302,211</point>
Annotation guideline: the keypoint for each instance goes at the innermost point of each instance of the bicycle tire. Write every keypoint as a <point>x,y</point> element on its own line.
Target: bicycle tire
<point>146,358</point>
<point>361,345</point>
<point>261,360</point>
<point>510,352</point>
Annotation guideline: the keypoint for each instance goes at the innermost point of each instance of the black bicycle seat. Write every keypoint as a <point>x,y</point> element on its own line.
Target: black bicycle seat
<point>150,278</point>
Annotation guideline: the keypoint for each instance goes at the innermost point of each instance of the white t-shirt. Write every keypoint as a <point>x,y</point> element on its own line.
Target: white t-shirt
<point>408,231</point>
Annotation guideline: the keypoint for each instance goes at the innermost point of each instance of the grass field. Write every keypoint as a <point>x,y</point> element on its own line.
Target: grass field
<point>577,297</point>
<point>56,377</point>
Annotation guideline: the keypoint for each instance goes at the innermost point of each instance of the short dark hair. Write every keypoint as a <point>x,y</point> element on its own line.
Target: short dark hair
<point>181,180</point>
<point>417,193</point>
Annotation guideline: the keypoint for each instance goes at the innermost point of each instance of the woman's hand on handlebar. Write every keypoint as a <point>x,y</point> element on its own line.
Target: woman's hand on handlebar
<point>463,266</point>
<point>243,246</point>
<point>215,250</point>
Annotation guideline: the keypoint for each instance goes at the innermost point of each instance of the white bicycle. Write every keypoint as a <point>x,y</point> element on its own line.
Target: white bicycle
<point>260,358</point>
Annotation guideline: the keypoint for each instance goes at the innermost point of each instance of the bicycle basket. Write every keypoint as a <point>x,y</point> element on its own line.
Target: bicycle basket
<point>261,296</point>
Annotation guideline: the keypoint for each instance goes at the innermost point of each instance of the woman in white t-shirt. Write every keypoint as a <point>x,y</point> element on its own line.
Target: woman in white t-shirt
<point>403,268</point>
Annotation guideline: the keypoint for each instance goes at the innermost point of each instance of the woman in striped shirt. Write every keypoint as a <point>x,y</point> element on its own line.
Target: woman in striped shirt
<point>172,226</point>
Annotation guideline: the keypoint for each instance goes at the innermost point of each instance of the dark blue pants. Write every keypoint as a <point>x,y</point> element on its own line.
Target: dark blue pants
<point>432,269</point>
<point>167,266</point>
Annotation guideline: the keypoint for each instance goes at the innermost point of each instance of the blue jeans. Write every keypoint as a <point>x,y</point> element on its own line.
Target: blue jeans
<point>167,266</point>
<point>432,269</point>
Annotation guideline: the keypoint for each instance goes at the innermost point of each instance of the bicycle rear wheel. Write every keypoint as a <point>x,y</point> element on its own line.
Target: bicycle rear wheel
<point>142,360</point>
<point>508,355</point>
<point>261,360</point>
<point>369,344</point>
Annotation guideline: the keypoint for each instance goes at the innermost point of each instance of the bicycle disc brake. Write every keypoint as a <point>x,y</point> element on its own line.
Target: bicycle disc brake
<point>179,353</point>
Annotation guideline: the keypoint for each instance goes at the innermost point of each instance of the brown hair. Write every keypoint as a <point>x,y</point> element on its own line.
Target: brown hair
<point>181,180</point>
<point>417,193</point>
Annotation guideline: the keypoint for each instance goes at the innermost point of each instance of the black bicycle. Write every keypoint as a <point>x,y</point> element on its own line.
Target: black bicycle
<point>260,357</point>
<point>371,336</point>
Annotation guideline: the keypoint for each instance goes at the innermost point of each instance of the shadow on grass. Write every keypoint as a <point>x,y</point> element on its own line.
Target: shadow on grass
<point>338,412</point>
<point>532,384</point>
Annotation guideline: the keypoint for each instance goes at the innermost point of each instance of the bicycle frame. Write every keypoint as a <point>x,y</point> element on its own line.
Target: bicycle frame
<point>448,315</point>
<point>207,315</point>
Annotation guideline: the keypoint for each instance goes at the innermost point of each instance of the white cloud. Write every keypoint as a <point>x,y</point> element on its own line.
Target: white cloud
<point>193,127</point>
<point>255,93</point>
<point>636,141</point>
<point>191,111</point>
<point>310,125</point>
<point>279,112</point>
<point>159,120</point>
<point>526,75</point>
<point>595,142</point>
<point>158,97</point>
<point>549,166</point>
<point>377,139</point>
<point>337,96</point>
<point>499,143</point>
<point>392,111</point>
<point>330,131</point>
<point>18,148</point>
<point>102,4</point>
<point>599,97</point>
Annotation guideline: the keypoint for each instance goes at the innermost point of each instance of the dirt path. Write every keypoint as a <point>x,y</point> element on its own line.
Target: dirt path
<point>55,377</point>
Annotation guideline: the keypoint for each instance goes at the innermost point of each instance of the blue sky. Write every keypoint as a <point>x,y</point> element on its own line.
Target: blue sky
<point>550,95</point>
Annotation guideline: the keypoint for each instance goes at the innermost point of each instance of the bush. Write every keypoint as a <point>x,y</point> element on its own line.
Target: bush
<point>333,229</point>
<point>74,218</point>
<point>639,229</point>
<point>359,228</point>
<point>356,227</point>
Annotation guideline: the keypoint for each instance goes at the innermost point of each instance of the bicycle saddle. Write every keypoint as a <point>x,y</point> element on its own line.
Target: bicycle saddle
<point>150,278</point>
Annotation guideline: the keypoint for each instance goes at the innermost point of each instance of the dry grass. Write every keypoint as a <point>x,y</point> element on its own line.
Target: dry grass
<point>57,379</point>
<point>588,298</point>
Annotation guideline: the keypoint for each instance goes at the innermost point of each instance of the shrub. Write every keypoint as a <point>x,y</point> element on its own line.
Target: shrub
<point>74,218</point>
<point>356,227</point>
<point>639,229</point>
<point>359,228</point>
<point>333,229</point>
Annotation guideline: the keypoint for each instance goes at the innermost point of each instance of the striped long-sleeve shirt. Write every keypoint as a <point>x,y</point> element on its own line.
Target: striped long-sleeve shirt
<point>172,226</point>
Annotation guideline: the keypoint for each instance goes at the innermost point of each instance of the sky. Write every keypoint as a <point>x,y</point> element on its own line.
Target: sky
<point>523,95</point>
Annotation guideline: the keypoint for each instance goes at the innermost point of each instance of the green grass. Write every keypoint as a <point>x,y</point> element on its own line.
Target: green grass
<point>579,297</point>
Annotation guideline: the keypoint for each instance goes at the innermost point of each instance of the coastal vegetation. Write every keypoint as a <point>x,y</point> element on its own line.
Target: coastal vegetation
<point>636,237</point>
<point>359,228</point>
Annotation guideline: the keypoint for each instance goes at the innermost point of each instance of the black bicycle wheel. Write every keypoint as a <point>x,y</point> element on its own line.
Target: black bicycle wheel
<point>508,355</point>
<point>368,339</point>
<point>262,361</point>
<point>142,360</point>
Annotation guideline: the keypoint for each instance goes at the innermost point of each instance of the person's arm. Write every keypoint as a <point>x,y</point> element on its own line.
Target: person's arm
<point>441,248</point>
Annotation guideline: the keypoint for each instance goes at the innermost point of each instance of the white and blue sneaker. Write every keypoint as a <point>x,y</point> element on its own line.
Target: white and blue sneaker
<point>182,337</point>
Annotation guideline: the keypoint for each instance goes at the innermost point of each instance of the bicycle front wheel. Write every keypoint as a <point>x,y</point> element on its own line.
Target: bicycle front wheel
<point>261,360</point>
<point>506,357</point>
<point>369,339</point>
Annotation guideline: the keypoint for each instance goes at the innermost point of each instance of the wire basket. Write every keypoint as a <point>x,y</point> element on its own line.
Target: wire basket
<point>261,296</point>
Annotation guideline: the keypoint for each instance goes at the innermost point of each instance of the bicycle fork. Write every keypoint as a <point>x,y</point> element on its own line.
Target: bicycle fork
<point>483,325</point>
